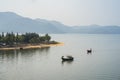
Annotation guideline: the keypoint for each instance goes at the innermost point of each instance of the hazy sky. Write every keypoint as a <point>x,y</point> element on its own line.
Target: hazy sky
<point>70,12</point>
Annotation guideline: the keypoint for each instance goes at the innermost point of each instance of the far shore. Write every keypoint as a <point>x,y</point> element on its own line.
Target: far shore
<point>31,46</point>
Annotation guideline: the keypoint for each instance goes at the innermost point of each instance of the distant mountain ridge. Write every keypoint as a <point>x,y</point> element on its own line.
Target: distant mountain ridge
<point>10,21</point>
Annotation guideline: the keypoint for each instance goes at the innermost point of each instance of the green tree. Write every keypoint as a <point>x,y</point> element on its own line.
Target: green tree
<point>47,37</point>
<point>11,38</point>
<point>34,40</point>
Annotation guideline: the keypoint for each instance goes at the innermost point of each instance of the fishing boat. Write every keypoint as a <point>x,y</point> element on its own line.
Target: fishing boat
<point>89,51</point>
<point>67,58</point>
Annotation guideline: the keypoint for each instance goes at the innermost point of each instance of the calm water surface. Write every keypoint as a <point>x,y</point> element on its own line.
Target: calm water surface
<point>45,64</point>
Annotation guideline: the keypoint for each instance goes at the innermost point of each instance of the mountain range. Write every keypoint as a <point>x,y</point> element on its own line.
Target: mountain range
<point>12,22</point>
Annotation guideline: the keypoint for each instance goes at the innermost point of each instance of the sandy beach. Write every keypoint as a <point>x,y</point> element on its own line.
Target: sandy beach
<point>32,46</point>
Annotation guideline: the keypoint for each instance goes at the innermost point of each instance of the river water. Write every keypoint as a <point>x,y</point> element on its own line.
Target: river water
<point>46,64</point>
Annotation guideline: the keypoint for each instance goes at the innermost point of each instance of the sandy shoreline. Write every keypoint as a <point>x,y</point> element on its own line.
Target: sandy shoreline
<point>32,46</point>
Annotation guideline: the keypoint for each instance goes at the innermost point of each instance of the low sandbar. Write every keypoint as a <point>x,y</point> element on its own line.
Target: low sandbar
<point>31,46</point>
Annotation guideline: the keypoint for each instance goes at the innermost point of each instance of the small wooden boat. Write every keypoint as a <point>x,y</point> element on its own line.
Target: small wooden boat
<point>67,58</point>
<point>21,48</point>
<point>89,51</point>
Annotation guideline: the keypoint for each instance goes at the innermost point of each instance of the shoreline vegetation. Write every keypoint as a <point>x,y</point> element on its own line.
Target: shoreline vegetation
<point>11,41</point>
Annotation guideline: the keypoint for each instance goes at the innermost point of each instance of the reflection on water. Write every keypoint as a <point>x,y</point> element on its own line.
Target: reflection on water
<point>66,62</point>
<point>25,53</point>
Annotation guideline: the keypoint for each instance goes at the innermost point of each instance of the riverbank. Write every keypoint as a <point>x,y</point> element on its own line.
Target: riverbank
<point>31,46</point>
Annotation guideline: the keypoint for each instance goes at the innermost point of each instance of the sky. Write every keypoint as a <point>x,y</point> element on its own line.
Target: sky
<point>69,12</point>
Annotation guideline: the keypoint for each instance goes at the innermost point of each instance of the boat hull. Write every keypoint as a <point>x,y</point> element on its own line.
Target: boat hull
<point>67,59</point>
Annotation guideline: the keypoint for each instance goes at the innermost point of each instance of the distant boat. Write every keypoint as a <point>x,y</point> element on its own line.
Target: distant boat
<point>89,51</point>
<point>67,58</point>
<point>21,48</point>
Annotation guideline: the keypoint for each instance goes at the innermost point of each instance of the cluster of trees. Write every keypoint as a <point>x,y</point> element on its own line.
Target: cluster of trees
<point>11,38</point>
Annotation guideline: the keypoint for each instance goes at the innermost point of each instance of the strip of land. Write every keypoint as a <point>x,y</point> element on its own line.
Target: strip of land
<point>31,46</point>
